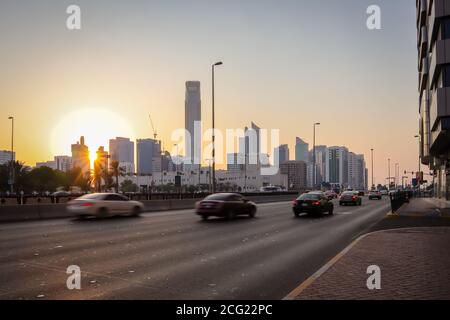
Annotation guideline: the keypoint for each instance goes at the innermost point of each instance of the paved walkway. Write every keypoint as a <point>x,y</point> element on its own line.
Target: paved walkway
<point>414,262</point>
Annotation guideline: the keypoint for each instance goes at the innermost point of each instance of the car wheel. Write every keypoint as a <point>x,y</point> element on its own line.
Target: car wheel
<point>136,211</point>
<point>252,212</point>
<point>102,212</point>
<point>231,215</point>
<point>330,211</point>
<point>204,217</point>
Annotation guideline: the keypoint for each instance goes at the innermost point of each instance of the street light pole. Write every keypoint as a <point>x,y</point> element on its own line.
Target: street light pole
<point>213,131</point>
<point>389,174</point>
<point>314,153</point>
<point>397,167</point>
<point>373,186</point>
<point>12,154</point>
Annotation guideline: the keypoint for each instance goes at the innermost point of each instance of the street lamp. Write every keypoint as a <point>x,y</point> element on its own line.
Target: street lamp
<point>11,182</point>
<point>417,136</point>
<point>389,173</point>
<point>213,130</point>
<point>373,186</point>
<point>397,167</point>
<point>314,153</point>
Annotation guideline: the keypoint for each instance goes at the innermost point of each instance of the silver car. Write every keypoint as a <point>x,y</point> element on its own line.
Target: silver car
<point>104,205</point>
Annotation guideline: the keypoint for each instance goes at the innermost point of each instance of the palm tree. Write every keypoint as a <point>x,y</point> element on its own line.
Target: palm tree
<point>116,171</point>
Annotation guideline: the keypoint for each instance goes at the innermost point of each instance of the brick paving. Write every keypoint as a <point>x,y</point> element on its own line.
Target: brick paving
<point>414,263</point>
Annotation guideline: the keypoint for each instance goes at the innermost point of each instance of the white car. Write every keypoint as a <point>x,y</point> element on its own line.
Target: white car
<point>104,205</point>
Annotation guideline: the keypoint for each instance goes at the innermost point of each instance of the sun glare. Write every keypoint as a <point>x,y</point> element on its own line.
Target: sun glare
<point>96,125</point>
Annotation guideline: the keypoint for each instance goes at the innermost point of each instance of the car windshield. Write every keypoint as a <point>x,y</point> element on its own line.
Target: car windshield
<point>309,196</point>
<point>218,196</point>
<point>93,196</point>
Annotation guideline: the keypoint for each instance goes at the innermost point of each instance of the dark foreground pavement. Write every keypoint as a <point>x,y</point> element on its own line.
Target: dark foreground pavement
<point>411,250</point>
<point>173,255</point>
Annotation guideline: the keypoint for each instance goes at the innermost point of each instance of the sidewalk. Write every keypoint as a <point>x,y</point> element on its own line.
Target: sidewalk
<point>413,256</point>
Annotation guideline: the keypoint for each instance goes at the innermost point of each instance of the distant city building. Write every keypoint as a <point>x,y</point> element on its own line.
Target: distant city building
<point>80,156</point>
<point>337,166</point>
<point>63,163</point>
<point>235,162</point>
<point>193,117</point>
<point>102,159</point>
<point>148,153</point>
<point>433,40</point>
<point>48,164</point>
<point>296,173</point>
<point>301,150</point>
<point>5,156</point>
<point>283,153</point>
<point>122,150</point>
<point>321,164</point>
<point>356,171</point>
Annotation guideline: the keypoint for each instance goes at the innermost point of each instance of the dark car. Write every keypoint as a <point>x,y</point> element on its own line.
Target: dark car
<point>350,197</point>
<point>227,205</point>
<point>313,202</point>
<point>375,195</point>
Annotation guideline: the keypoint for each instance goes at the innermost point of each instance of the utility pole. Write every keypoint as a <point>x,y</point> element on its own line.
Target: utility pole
<point>373,186</point>
<point>12,155</point>
<point>314,154</point>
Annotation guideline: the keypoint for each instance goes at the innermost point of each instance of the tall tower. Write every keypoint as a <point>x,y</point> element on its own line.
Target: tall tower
<point>80,156</point>
<point>193,117</point>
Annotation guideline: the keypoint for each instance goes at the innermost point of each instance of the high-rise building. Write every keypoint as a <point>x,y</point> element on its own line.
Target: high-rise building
<point>5,156</point>
<point>102,159</point>
<point>235,162</point>
<point>301,150</point>
<point>80,156</point>
<point>356,171</point>
<point>122,150</point>
<point>296,173</point>
<point>283,153</point>
<point>192,118</point>
<point>433,37</point>
<point>49,164</point>
<point>337,166</point>
<point>63,163</point>
<point>148,153</point>
<point>321,164</point>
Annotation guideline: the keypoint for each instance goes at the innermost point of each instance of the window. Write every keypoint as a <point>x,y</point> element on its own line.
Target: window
<point>445,29</point>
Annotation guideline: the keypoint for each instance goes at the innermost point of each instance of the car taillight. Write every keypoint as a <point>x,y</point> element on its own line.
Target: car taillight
<point>316,203</point>
<point>354,197</point>
<point>87,204</point>
<point>294,202</point>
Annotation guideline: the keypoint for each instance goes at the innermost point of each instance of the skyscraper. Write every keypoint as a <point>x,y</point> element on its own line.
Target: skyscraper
<point>337,166</point>
<point>148,152</point>
<point>356,171</point>
<point>63,163</point>
<point>122,150</point>
<point>193,117</point>
<point>283,153</point>
<point>80,156</point>
<point>301,150</point>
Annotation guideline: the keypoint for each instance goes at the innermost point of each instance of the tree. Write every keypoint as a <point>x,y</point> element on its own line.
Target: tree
<point>128,186</point>
<point>116,171</point>
<point>80,179</point>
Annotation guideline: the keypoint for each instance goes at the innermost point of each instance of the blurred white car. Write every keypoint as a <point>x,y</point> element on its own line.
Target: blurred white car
<point>104,205</point>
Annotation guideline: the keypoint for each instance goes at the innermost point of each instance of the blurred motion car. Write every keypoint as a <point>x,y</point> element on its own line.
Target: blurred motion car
<point>226,205</point>
<point>313,203</point>
<point>330,195</point>
<point>104,205</point>
<point>350,197</point>
<point>384,192</point>
<point>374,194</point>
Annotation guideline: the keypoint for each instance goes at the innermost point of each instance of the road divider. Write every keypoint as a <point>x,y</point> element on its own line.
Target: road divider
<point>28,212</point>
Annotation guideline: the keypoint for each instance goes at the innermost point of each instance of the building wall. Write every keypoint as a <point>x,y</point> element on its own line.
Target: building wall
<point>80,156</point>
<point>147,150</point>
<point>122,150</point>
<point>5,156</point>
<point>296,173</point>
<point>301,150</point>
<point>193,117</point>
<point>433,41</point>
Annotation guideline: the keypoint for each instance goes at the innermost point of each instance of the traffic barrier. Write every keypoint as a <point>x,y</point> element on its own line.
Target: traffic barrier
<point>28,212</point>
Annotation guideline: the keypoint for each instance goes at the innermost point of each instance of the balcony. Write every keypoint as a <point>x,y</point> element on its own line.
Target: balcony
<point>439,9</point>
<point>440,106</point>
<point>440,56</point>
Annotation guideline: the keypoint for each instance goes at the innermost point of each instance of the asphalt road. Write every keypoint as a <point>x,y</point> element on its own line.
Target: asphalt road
<point>174,255</point>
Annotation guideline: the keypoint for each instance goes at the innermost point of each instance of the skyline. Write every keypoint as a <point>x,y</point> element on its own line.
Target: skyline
<point>146,72</point>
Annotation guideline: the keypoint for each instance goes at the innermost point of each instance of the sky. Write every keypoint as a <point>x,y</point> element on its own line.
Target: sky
<point>287,64</point>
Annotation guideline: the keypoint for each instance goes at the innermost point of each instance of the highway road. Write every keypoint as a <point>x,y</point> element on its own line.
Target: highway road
<point>174,255</point>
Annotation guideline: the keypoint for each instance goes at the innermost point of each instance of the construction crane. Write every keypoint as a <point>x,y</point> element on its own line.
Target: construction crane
<point>155,134</point>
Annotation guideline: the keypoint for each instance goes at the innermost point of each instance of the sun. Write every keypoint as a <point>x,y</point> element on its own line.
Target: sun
<point>95,124</point>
